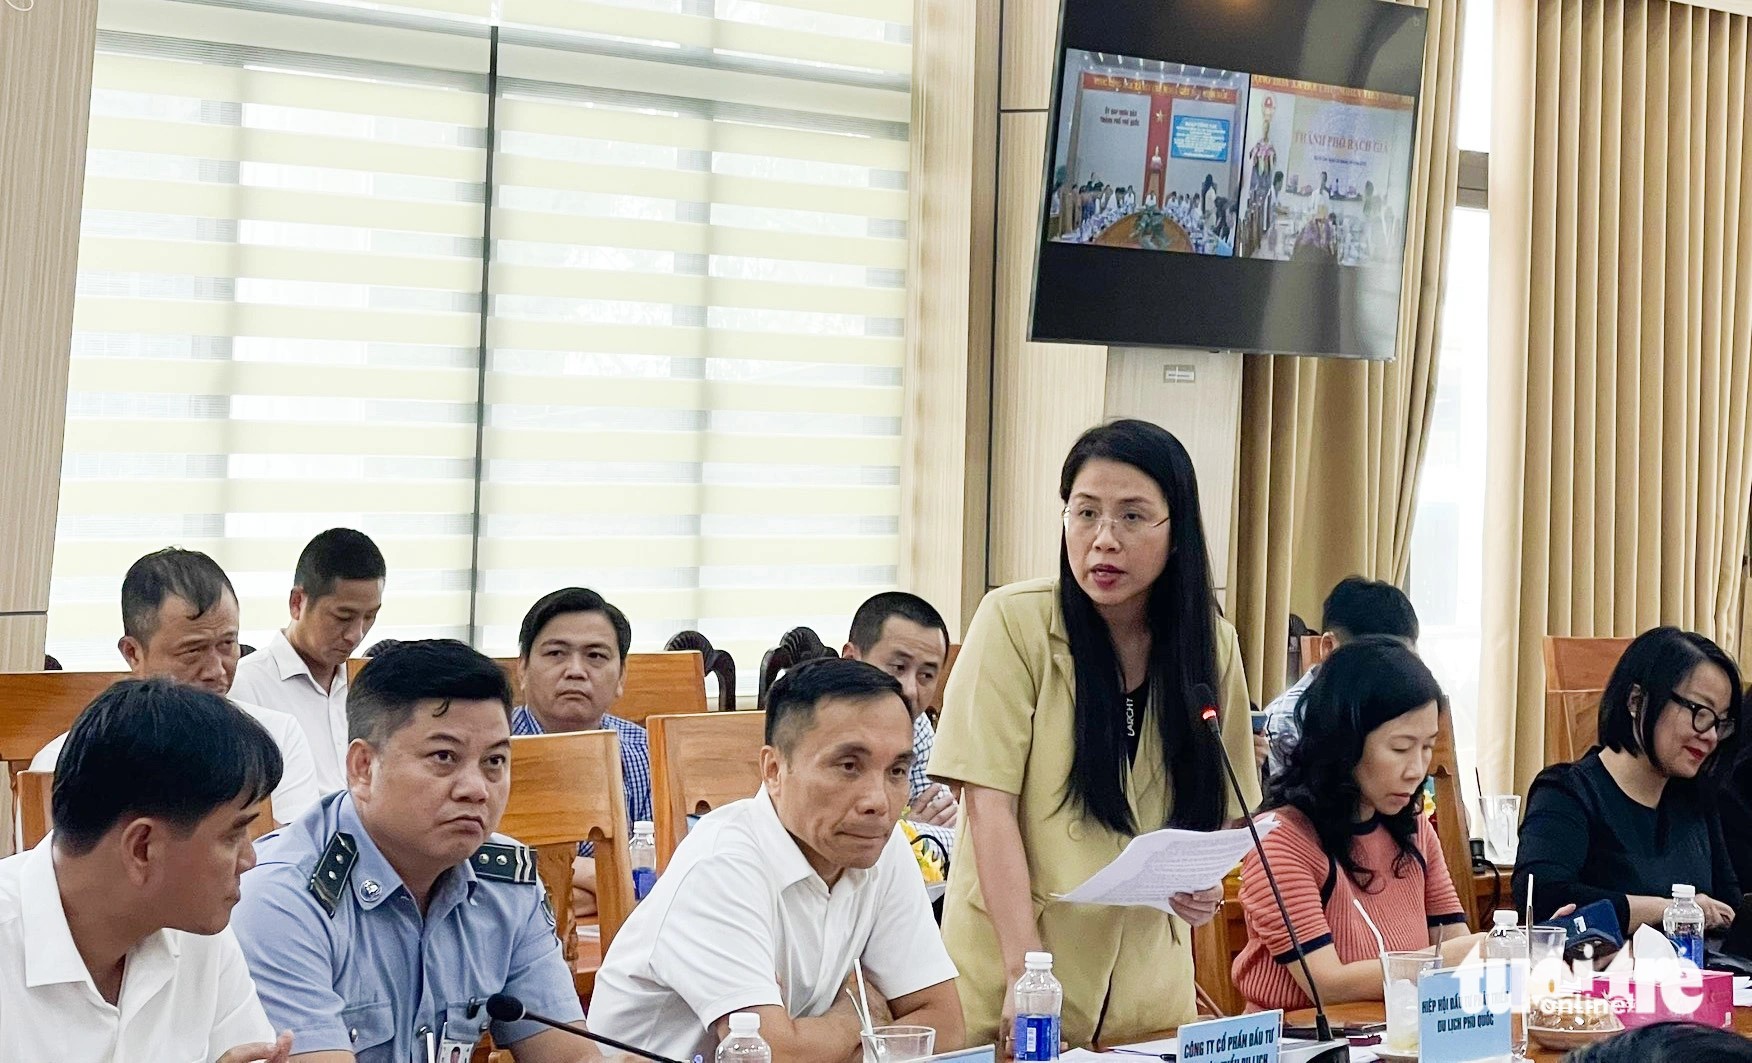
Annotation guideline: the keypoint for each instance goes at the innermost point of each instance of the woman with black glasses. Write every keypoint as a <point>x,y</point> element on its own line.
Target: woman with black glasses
<point>1638,813</point>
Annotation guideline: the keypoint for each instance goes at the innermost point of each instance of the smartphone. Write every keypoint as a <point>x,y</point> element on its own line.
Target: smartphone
<point>1259,719</point>
<point>1596,922</point>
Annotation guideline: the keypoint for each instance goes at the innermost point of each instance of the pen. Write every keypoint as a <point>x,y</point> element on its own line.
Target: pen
<point>1167,1057</point>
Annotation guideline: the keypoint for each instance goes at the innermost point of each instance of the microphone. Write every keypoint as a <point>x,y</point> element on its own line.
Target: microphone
<point>503,1007</point>
<point>1207,698</point>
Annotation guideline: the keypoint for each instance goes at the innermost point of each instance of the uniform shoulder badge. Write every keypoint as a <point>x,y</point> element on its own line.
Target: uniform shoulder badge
<point>333,868</point>
<point>505,863</point>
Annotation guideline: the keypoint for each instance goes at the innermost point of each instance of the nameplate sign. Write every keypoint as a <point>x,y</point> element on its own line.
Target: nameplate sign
<point>1242,1039</point>
<point>1460,1018</point>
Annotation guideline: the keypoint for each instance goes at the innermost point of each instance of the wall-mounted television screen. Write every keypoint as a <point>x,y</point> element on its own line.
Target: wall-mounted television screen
<point>1229,175</point>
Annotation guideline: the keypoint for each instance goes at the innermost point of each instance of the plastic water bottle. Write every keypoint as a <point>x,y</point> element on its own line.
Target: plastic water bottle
<point>1508,942</point>
<point>643,851</point>
<point>744,1044</point>
<point>1039,998</point>
<point>1684,923</point>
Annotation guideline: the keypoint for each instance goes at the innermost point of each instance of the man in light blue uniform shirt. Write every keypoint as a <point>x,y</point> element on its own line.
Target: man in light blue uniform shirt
<point>377,925</point>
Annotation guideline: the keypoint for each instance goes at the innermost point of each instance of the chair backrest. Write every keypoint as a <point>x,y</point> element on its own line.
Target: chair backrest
<point>1313,652</point>
<point>1213,954</point>
<point>35,707</point>
<point>36,815</point>
<point>699,762</point>
<point>1451,824</point>
<point>655,682</point>
<point>716,662</point>
<point>667,682</point>
<point>796,646</point>
<point>1581,663</point>
<point>1572,724</point>
<point>566,788</point>
<point>934,707</point>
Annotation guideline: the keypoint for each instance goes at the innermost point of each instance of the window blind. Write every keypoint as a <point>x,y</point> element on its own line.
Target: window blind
<point>692,392</point>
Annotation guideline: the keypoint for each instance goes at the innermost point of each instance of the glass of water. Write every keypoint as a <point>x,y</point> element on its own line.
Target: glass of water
<point>1502,827</point>
<point>1549,975</point>
<point>899,1044</point>
<point>1400,972</point>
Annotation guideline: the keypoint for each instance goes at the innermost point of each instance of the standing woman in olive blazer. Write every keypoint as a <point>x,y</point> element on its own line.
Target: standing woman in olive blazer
<point>1071,725</point>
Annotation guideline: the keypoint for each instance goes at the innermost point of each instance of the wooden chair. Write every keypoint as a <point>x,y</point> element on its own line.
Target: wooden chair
<point>655,682</point>
<point>1581,663</point>
<point>1313,652</point>
<point>1572,724</point>
<point>566,788</point>
<point>1214,948</point>
<point>35,707</point>
<point>1451,823</point>
<point>796,646</point>
<point>699,762</point>
<point>668,682</point>
<point>717,663</point>
<point>36,814</point>
<point>934,707</point>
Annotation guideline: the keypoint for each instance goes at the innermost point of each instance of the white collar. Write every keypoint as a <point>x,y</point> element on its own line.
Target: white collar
<point>51,957</point>
<point>789,865</point>
<point>289,663</point>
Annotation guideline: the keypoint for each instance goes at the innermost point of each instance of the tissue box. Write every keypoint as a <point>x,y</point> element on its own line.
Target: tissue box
<point>1706,997</point>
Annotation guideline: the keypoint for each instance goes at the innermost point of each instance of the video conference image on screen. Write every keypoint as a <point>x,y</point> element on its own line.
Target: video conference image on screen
<point>1162,156</point>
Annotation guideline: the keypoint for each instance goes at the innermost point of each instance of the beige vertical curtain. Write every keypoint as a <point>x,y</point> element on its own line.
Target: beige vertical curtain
<point>1330,450</point>
<point>1620,335</point>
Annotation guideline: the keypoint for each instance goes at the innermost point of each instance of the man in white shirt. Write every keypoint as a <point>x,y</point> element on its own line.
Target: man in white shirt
<point>179,621</point>
<point>768,901</point>
<point>114,946</point>
<point>905,636</point>
<point>337,589</point>
<point>1356,607</point>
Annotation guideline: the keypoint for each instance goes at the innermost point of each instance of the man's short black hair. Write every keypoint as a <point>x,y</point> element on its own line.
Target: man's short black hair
<point>187,574</point>
<point>154,747</point>
<point>572,600</point>
<point>1655,663</point>
<point>1358,607</point>
<point>867,622</point>
<point>794,698</point>
<point>386,691</point>
<point>335,555</point>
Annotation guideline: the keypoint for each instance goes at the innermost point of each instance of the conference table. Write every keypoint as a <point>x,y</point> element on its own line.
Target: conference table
<point>1372,1012</point>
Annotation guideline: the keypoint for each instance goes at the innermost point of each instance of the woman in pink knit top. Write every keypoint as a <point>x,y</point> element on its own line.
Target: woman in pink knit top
<point>1350,829</point>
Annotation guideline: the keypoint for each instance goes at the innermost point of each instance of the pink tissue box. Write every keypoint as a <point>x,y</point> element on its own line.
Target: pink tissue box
<point>1706,997</point>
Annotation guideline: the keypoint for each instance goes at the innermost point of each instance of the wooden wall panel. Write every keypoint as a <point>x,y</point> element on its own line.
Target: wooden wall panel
<point>21,642</point>
<point>1030,39</point>
<point>45,93</point>
<point>949,318</point>
<point>1043,394</point>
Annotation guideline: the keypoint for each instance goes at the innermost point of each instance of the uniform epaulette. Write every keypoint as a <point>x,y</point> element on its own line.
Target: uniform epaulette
<point>505,863</point>
<point>333,869</point>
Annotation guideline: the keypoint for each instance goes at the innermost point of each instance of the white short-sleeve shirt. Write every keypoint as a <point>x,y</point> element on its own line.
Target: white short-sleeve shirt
<point>185,998</point>
<point>740,920</point>
<point>277,678</point>
<point>298,790</point>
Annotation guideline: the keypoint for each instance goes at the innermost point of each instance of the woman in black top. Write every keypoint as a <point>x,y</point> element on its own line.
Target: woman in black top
<point>1638,813</point>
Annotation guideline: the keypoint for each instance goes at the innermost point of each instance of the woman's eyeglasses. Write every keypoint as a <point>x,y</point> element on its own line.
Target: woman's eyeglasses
<point>1129,525</point>
<point>1703,718</point>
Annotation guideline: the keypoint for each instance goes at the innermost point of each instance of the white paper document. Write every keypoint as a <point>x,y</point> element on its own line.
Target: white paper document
<point>1156,866</point>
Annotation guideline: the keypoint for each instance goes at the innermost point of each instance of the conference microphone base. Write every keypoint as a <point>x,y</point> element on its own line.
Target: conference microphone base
<point>1334,1051</point>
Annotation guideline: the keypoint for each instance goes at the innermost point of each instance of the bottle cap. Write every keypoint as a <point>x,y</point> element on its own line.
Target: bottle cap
<point>1038,961</point>
<point>1683,892</point>
<point>744,1022</point>
<point>1505,917</point>
<point>644,826</point>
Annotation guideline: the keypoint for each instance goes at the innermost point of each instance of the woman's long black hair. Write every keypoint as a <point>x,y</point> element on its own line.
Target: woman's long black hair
<point>1367,683</point>
<point>1183,648</point>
